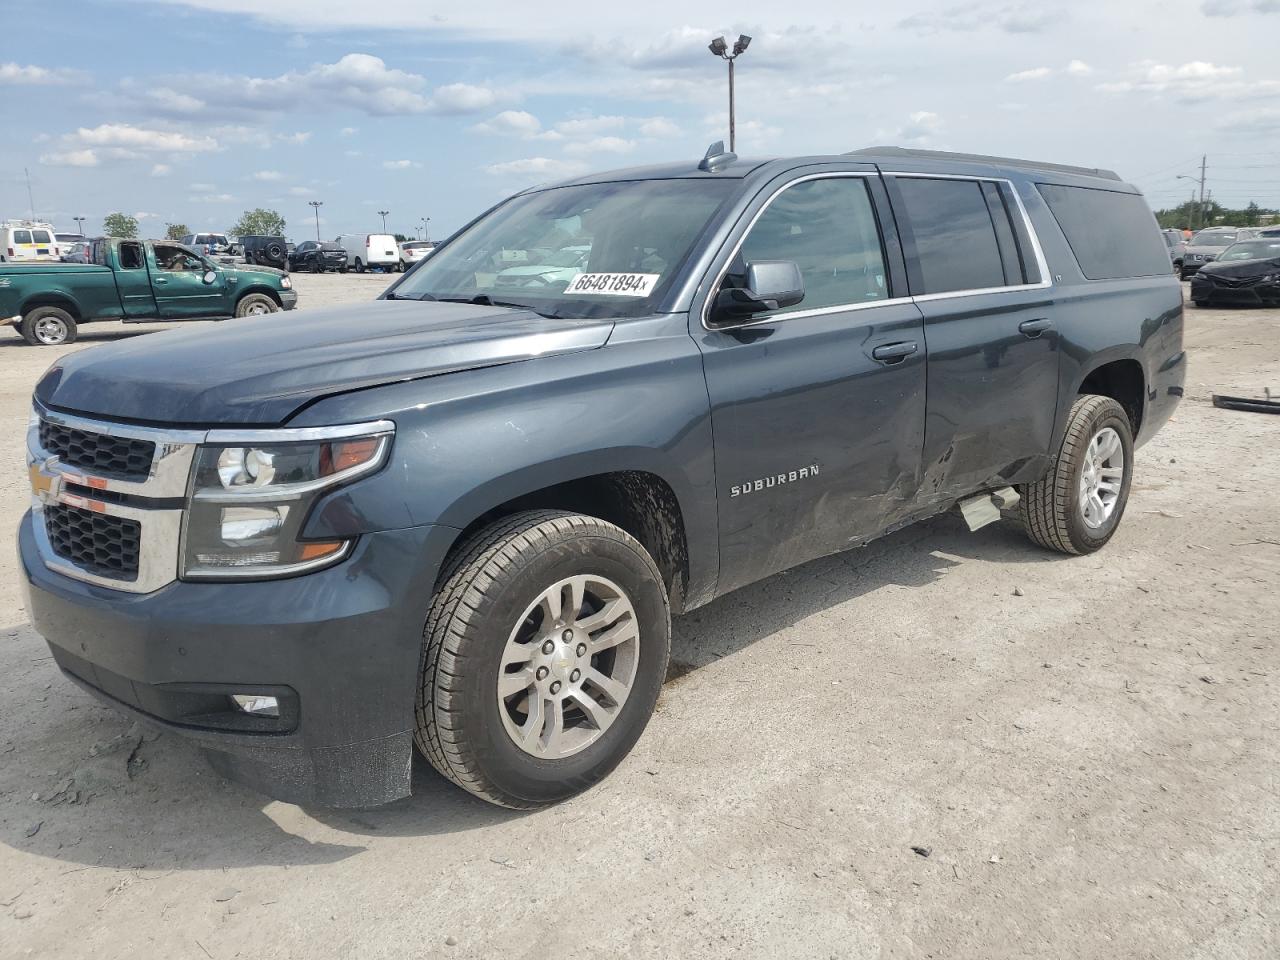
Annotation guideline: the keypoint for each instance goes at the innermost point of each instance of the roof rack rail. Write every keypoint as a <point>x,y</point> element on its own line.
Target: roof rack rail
<point>716,157</point>
<point>980,158</point>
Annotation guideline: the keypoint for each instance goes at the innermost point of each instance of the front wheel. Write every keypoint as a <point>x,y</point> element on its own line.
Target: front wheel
<point>256,304</point>
<point>1077,505</point>
<point>359,265</point>
<point>546,645</point>
<point>48,327</point>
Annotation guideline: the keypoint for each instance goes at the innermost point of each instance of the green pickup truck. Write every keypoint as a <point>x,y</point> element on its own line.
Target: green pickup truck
<point>135,281</point>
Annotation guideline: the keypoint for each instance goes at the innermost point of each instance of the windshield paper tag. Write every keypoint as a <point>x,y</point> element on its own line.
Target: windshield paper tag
<point>614,284</point>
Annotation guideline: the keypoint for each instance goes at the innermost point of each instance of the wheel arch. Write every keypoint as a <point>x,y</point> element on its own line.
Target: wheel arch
<point>52,298</point>
<point>257,288</point>
<point>637,499</point>
<point>1120,377</point>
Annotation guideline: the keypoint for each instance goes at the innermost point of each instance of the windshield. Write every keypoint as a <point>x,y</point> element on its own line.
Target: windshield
<point>1206,239</point>
<point>595,250</point>
<point>1253,250</point>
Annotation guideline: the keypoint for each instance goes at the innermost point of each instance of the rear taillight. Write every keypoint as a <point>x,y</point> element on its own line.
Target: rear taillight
<point>11,253</point>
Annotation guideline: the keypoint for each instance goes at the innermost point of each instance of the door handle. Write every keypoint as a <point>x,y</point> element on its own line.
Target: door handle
<point>160,280</point>
<point>894,352</point>
<point>1033,328</point>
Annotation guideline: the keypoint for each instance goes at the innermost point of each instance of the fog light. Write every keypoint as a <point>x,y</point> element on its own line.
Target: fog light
<point>256,705</point>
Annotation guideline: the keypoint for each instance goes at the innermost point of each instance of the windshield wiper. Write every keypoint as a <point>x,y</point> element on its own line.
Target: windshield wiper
<point>484,300</point>
<point>401,296</point>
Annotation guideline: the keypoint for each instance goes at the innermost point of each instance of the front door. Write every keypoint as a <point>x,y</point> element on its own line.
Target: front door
<point>989,322</point>
<point>818,408</point>
<point>179,279</point>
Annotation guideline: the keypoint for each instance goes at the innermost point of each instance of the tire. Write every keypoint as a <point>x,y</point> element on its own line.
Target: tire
<point>315,267</point>
<point>486,604</point>
<point>275,252</point>
<point>1052,508</point>
<point>48,327</point>
<point>255,304</point>
<point>1201,303</point>
<point>359,265</point>
<point>400,267</point>
<point>342,269</point>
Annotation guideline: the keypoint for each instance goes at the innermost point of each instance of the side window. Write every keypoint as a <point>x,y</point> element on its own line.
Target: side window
<point>828,228</point>
<point>1111,233</point>
<point>955,237</point>
<point>130,256</point>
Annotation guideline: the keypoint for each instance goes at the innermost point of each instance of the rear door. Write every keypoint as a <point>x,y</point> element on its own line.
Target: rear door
<point>133,280</point>
<point>978,277</point>
<point>818,409</point>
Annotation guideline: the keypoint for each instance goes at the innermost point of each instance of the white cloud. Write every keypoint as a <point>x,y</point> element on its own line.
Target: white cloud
<point>300,191</point>
<point>601,145</point>
<point>400,164</point>
<point>659,127</point>
<point>143,215</point>
<point>1235,8</point>
<point>125,136</point>
<point>546,167</point>
<point>296,139</point>
<point>587,124</point>
<point>268,175</point>
<point>348,131</point>
<point>31,75</point>
<point>461,98</point>
<point>161,170</point>
<point>515,123</point>
<point>1017,18</point>
<point>1078,68</point>
<point>202,187</point>
<point>211,198</point>
<point>920,128</point>
<point>1035,73</point>
<point>71,158</point>
<point>1191,82</point>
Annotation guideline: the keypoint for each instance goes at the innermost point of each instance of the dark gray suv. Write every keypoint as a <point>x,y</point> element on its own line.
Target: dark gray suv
<point>463,515</point>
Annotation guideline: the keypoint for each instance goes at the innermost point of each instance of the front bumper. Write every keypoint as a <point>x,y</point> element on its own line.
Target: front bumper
<point>340,647</point>
<point>1205,290</point>
<point>288,299</point>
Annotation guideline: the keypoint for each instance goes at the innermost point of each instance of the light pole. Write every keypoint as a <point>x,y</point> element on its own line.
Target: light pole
<point>383,215</point>
<point>426,228</point>
<point>316,205</point>
<point>79,225</point>
<point>720,49</point>
<point>1200,208</point>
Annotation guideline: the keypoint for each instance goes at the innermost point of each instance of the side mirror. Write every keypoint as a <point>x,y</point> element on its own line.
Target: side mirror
<point>210,276</point>
<point>771,285</point>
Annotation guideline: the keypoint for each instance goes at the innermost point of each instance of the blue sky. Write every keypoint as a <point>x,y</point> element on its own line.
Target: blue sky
<point>194,110</point>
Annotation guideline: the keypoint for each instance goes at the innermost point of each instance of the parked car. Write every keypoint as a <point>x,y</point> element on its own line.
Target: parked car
<point>734,385</point>
<point>1205,246</point>
<point>27,240</point>
<point>1247,272</point>
<point>136,281</point>
<point>207,243</point>
<point>1177,245</point>
<point>266,251</point>
<point>411,251</point>
<point>553,267</point>
<point>318,257</point>
<point>367,250</point>
<point>78,252</point>
<point>65,240</point>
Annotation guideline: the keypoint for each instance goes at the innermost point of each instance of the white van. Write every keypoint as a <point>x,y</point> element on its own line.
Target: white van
<point>28,240</point>
<point>365,250</point>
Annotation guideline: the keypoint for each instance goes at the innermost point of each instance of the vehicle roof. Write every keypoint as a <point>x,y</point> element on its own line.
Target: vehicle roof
<point>884,157</point>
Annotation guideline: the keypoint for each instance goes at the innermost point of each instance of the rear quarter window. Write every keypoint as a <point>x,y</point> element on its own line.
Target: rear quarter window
<point>1113,235</point>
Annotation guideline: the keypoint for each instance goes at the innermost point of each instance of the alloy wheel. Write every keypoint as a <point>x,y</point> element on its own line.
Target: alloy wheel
<point>1101,477</point>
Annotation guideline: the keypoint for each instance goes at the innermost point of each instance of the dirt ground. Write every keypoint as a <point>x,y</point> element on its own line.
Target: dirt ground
<point>1087,747</point>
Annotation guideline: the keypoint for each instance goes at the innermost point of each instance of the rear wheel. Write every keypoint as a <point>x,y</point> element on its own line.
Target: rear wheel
<point>1076,507</point>
<point>316,267</point>
<point>359,265</point>
<point>546,645</point>
<point>48,327</point>
<point>255,304</point>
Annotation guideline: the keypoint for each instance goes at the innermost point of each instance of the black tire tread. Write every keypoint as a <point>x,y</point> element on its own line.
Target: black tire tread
<point>1047,503</point>
<point>456,608</point>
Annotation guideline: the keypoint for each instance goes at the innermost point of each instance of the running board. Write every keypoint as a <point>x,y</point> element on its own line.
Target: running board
<point>984,508</point>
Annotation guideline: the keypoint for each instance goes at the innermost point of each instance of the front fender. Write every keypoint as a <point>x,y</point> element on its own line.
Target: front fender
<point>469,442</point>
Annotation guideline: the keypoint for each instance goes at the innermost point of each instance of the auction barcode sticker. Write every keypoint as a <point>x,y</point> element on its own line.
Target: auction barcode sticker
<point>614,284</point>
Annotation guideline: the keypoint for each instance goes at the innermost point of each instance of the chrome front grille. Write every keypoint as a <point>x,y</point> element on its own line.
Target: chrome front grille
<point>98,452</point>
<point>100,544</point>
<point>106,498</point>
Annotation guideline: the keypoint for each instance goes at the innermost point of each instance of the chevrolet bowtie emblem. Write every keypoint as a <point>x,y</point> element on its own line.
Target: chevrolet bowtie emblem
<point>46,486</point>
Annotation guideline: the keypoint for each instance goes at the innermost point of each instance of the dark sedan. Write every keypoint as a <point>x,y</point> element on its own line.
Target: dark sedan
<point>318,257</point>
<point>1245,273</point>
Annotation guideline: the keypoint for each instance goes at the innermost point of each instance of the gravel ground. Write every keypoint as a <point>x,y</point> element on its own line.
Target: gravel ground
<point>1086,747</point>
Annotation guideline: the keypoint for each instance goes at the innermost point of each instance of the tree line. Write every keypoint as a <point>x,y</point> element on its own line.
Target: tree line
<point>252,223</point>
<point>1193,215</point>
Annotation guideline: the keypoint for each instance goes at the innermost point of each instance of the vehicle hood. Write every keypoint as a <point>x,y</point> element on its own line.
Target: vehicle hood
<point>250,273</point>
<point>260,370</point>
<point>1242,269</point>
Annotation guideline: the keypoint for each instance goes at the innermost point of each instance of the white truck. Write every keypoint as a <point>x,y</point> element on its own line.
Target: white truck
<point>365,250</point>
<point>28,240</point>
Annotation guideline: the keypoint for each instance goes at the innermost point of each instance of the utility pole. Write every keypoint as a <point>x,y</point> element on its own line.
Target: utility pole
<point>383,215</point>
<point>1198,204</point>
<point>1203,160</point>
<point>31,204</point>
<point>316,205</point>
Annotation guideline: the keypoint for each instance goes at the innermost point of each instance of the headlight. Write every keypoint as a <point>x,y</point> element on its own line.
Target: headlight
<point>251,493</point>
<point>286,283</point>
